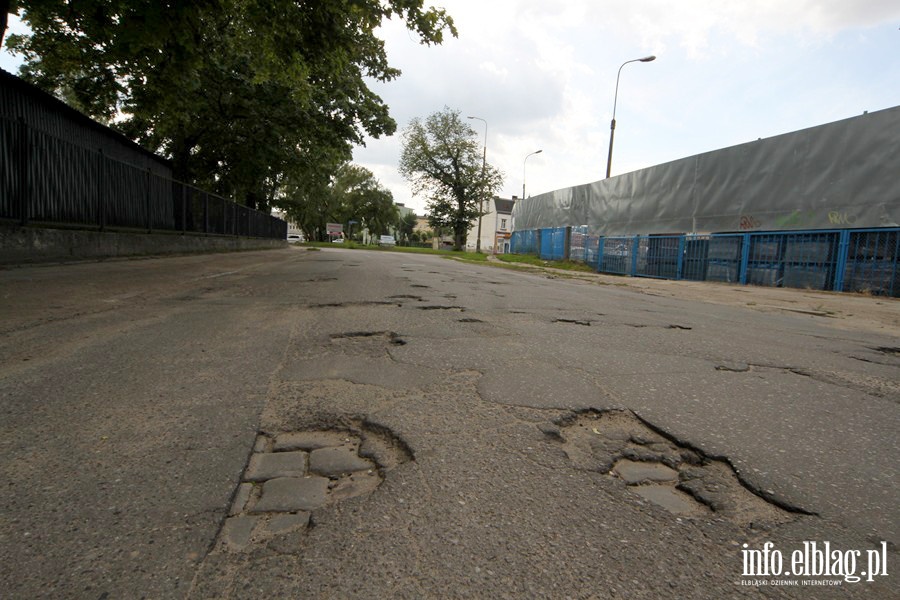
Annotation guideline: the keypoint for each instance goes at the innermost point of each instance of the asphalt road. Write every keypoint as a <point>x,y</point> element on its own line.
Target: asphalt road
<point>500,404</point>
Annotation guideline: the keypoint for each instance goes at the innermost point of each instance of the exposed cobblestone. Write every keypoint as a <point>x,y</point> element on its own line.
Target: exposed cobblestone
<point>290,494</point>
<point>334,462</point>
<point>292,473</point>
<point>308,440</point>
<point>265,466</point>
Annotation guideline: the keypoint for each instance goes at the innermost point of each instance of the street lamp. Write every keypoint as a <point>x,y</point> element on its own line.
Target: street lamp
<point>523,170</point>
<point>612,125</point>
<point>483,169</point>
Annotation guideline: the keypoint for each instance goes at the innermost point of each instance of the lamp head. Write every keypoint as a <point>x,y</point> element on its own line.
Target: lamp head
<point>650,58</point>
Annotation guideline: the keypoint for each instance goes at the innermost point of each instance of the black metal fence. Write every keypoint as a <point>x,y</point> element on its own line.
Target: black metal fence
<point>50,181</point>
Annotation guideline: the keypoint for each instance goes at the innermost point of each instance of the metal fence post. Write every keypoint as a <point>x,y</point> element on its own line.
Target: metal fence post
<point>840,267</point>
<point>101,190</point>
<point>601,246</point>
<point>205,213</point>
<point>635,248</point>
<point>24,179</point>
<point>678,270</point>
<point>745,258</point>
<point>184,193</point>
<point>149,202</point>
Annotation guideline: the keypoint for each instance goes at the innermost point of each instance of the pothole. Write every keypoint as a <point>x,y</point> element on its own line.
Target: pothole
<point>407,297</point>
<point>469,320</point>
<point>755,368</point>
<point>367,338</point>
<point>292,474</point>
<point>664,472</point>
<point>889,350</point>
<point>357,303</point>
<point>583,322</point>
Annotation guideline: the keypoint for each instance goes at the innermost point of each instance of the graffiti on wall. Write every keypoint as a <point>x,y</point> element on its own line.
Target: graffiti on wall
<point>749,222</point>
<point>836,217</point>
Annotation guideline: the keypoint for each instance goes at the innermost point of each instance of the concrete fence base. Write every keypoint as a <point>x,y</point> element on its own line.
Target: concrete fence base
<point>29,245</point>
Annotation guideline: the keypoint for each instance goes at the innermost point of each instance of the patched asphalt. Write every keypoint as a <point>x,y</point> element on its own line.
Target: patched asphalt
<point>162,419</point>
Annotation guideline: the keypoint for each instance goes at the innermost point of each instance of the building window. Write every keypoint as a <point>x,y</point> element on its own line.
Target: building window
<point>502,224</point>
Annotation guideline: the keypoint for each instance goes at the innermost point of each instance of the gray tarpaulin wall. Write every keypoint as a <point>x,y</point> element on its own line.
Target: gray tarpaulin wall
<point>840,175</point>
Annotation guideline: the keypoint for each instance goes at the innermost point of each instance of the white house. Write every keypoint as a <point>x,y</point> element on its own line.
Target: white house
<point>496,227</point>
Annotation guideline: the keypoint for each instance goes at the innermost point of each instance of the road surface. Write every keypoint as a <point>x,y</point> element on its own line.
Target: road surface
<point>365,424</point>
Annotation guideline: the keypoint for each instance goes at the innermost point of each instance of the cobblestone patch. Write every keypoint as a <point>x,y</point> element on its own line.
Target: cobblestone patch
<point>680,479</point>
<point>291,474</point>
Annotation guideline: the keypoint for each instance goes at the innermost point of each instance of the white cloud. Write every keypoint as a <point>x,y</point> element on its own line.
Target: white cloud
<point>543,75</point>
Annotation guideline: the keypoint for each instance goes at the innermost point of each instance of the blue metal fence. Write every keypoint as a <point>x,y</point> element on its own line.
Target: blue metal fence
<point>523,242</point>
<point>617,255</point>
<point>873,262</point>
<point>584,247</point>
<point>866,260</point>
<point>659,256</point>
<point>553,243</point>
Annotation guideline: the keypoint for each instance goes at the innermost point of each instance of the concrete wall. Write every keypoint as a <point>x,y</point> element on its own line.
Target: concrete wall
<point>27,245</point>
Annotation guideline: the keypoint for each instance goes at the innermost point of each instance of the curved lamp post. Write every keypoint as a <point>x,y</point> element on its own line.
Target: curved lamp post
<point>483,168</point>
<point>523,170</point>
<point>612,125</point>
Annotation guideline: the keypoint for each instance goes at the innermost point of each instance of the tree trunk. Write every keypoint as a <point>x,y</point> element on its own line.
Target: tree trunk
<point>181,160</point>
<point>5,7</point>
<point>459,237</point>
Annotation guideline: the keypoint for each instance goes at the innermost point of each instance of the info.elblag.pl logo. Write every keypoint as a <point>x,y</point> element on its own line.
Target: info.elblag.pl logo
<point>813,560</point>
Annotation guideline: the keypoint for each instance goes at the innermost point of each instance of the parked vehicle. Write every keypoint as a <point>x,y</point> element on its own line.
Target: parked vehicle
<point>387,240</point>
<point>295,238</point>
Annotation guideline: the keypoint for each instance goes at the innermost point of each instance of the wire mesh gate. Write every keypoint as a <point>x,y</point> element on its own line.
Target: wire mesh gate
<point>863,260</point>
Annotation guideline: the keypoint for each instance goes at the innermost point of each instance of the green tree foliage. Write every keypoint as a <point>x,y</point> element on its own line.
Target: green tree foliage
<point>405,227</point>
<point>442,160</point>
<point>240,94</point>
<point>352,194</point>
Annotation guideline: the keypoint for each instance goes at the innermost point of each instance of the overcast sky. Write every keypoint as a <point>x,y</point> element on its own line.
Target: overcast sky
<point>542,73</point>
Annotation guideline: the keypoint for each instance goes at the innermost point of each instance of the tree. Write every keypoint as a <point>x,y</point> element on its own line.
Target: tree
<point>238,93</point>
<point>442,160</point>
<point>405,227</point>
<point>7,7</point>
<point>352,194</point>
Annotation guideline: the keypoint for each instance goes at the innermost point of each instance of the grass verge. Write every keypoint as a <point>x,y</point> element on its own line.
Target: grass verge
<point>536,261</point>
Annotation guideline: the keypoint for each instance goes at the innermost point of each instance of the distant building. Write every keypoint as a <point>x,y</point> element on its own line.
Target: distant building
<point>293,227</point>
<point>422,225</point>
<point>496,226</point>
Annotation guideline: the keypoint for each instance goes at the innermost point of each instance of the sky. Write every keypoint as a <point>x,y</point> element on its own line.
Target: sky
<point>542,73</point>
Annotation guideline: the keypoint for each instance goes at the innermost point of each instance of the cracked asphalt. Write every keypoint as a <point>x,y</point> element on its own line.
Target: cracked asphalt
<point>133,392</point>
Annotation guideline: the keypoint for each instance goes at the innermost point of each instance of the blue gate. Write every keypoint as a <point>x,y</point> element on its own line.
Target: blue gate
<point>553,243</point>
